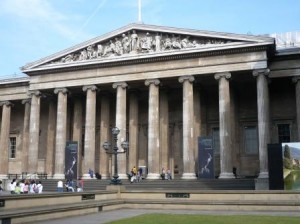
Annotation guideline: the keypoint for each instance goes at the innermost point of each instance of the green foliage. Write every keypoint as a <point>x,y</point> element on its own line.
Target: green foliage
<point>207,219</point>
<point>287,152</point>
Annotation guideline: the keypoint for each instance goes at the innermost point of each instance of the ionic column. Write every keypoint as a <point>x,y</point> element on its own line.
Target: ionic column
<point>121,124</point>
<point>296,80</point>
<point>263,119</point>
<point>4,138</point>
<point>105,132</point>
<point>153,129</point>
<point>188,127</point>
<point>51,137</point>
<point>25,135</point>
<point>61,132</point>
<point>34,131</point>
<point>133,129</point>
<point>225,125</point>
<point>77,131</point>
<point>90,128</point>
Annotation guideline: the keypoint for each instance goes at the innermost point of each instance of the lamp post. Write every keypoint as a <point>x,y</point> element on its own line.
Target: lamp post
<point>114,151</point>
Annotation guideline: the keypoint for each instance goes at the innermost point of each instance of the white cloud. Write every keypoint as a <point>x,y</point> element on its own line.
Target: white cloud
<point>31,9</point>
<point>40,14</point>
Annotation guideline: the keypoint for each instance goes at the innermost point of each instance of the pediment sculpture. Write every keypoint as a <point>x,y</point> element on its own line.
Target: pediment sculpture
<point>134,42</point>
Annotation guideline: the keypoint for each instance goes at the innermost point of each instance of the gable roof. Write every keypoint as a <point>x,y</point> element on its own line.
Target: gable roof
<point>136,41</point>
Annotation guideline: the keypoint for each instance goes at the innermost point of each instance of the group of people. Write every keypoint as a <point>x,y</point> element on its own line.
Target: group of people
<point>25,187</point>
<point>70,186</point>
<point>135,175</point>
<point>166,175</point>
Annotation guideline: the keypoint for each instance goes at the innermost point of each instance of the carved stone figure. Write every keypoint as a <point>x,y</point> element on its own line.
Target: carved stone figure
<point>83,55</point>
<point>185,42</point>
<point>134,41</point>
<point>167,43</point>
<point>99,52</point>
<point>119,47</point>
<point>157,42</point>
<point>90,52</point>
<point>175,42</point>
<point>147,43</point>
<point>138,43</point>
<point>68,58</point>
<point>125,43</point>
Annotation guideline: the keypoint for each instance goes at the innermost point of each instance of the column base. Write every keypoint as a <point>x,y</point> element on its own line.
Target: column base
<point>263,175</point>
<point>188,176</point>
<point>3,176</point>
<point>226,176</point>
<point>59,176</point>
<point>153,176</point>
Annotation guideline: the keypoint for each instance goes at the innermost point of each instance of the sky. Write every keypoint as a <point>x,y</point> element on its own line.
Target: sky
<point>33,29</point>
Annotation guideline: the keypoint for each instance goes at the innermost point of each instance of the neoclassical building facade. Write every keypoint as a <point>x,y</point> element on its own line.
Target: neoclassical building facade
<point>164,88</point>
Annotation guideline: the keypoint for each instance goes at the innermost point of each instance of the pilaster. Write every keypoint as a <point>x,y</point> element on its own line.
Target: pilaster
<point>51,136</point>
<point>133,129</point>
<point>105,132</point>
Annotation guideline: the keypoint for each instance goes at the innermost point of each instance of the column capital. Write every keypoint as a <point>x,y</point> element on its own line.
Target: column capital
<point>226,75</point>
<point>6,103</point>
<point>258,72</point>
<point>122,84</point>
<point>295,79</point>
<point>152,81</point>
<point>189,78</point>
<point>26,101</point>
<point>63,90</point>
<point>35,93</point>
<point>91,87</point>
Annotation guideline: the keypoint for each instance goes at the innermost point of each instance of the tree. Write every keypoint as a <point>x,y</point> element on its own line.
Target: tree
<point>287,152</point>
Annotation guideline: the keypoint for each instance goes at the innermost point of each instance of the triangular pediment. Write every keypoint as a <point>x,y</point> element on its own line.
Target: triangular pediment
<point>142,41</point>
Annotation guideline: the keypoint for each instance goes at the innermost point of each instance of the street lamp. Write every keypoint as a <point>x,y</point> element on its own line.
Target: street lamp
<point>114,151</point>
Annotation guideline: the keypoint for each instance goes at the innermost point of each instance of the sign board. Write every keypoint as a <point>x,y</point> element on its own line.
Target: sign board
<point>71,156</point>
<point>205,158</point>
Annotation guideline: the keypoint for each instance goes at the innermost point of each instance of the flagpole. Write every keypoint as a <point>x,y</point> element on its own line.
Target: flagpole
<point>140,11</point>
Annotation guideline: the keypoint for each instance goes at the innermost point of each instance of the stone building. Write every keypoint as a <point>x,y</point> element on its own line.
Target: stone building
<point>162,87</point>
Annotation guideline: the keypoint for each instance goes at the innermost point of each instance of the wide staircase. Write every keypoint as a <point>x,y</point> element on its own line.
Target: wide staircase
<point>208,184</point>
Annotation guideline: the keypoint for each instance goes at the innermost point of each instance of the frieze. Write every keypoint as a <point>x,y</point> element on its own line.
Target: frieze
<point>134,42</point>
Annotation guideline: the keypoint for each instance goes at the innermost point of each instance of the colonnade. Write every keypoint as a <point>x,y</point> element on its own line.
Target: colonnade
<point>157,124</point>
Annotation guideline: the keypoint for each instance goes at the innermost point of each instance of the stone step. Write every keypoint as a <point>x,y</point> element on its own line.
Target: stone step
<point>214,184</point>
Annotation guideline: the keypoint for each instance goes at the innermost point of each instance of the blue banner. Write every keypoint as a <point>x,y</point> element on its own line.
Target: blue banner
<point>71,157</point>
<point>205,158</point>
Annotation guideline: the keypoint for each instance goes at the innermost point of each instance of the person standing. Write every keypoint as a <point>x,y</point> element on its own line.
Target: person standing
<point>12,186</point>
<point>39,188</point>
<point>60,186</point>
<point>1,187</point>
